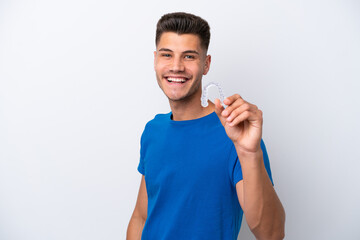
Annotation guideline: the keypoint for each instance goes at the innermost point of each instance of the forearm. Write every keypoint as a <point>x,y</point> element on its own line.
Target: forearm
<point>263,210</point>
<point>135,228</point>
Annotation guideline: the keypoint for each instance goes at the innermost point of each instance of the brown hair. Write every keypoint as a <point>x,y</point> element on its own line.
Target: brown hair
<point>183,23</point>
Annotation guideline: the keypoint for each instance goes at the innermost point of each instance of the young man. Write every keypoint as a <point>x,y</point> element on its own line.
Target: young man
<point>202,167</point>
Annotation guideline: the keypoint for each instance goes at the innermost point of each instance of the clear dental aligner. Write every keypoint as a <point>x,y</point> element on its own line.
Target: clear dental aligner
<point>204,95</point>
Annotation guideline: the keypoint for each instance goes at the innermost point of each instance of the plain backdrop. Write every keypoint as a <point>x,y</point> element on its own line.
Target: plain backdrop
<point>77,87</point>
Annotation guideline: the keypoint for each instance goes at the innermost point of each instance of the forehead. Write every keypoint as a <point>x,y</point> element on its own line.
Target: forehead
<point>179,42</point>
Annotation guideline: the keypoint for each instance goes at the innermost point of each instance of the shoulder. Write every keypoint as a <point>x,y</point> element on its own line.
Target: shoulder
<point>157,122</point>
<point>160,118</point>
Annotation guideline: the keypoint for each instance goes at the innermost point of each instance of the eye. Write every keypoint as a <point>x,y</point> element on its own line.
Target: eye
<point>165,55</point>
<point>189,56</point>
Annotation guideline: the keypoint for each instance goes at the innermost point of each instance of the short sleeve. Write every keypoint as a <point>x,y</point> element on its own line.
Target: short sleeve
<point>141,166</point>
<point>266,160</point>
<point>235,167</point>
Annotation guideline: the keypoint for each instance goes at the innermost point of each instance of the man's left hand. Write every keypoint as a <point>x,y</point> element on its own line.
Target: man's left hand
<point>242,122</point>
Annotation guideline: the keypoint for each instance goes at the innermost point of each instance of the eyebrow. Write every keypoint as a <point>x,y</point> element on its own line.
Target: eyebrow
<point>187,51</point>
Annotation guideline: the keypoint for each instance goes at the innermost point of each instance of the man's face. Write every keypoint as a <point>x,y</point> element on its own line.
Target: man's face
<point>179,63</point>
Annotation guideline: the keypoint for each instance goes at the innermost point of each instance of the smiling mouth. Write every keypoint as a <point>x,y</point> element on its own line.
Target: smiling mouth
<point>176,79</point>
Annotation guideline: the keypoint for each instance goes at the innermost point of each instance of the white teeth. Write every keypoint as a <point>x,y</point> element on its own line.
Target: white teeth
<point>170,79</point>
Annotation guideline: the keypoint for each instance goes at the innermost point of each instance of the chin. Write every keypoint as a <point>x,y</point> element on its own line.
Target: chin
<point>187,93</point>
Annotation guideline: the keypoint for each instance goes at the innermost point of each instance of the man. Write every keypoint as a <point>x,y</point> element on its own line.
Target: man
<point>202,167</point>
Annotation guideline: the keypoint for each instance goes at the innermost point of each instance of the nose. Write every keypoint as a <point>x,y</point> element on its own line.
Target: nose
<point>177,65</point>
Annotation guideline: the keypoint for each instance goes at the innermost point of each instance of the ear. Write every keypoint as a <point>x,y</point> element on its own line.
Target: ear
<point>207,64</point>
<point>154,58</point>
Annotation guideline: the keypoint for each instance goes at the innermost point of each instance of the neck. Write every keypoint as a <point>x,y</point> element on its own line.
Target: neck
<point>190,109</point>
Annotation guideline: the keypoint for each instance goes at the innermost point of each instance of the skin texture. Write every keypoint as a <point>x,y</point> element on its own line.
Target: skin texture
<point>138,218</point>
<point>176,61</point>
<point>182,56</point>
<point>263,210</point>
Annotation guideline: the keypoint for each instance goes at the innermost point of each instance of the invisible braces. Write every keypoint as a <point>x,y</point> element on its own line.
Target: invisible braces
<point>204,95</point>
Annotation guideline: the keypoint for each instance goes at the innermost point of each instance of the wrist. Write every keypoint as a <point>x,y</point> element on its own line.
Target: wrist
<point>253,151</point>
<point>249,156</point>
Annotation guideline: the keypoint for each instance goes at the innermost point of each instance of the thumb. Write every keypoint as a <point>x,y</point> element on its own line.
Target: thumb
<point>218,109</point>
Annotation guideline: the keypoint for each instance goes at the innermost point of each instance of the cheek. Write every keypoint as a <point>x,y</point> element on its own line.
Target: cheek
<point>198,70</point>
<point>193,67</point>
<point>160,67</point>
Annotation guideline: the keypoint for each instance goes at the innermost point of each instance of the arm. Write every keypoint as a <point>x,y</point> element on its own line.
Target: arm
<point>262,208</point>
<point>139,215</point>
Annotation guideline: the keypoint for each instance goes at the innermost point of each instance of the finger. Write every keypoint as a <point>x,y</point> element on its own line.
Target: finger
<point>247,116</point>
<point>240,109</point>
<point>238,102</point>
<point>219,109</point>
<point>229,100</point>
<point>240,118</point>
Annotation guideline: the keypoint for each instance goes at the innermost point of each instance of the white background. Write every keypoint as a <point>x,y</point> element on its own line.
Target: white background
<point>77,87</point>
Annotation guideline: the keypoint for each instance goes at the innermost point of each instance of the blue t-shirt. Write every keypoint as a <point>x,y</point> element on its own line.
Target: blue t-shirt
<point>191,169</point>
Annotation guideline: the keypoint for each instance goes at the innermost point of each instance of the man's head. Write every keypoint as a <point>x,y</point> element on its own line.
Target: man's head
<point>181,56</point>
<point>184,23</point>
